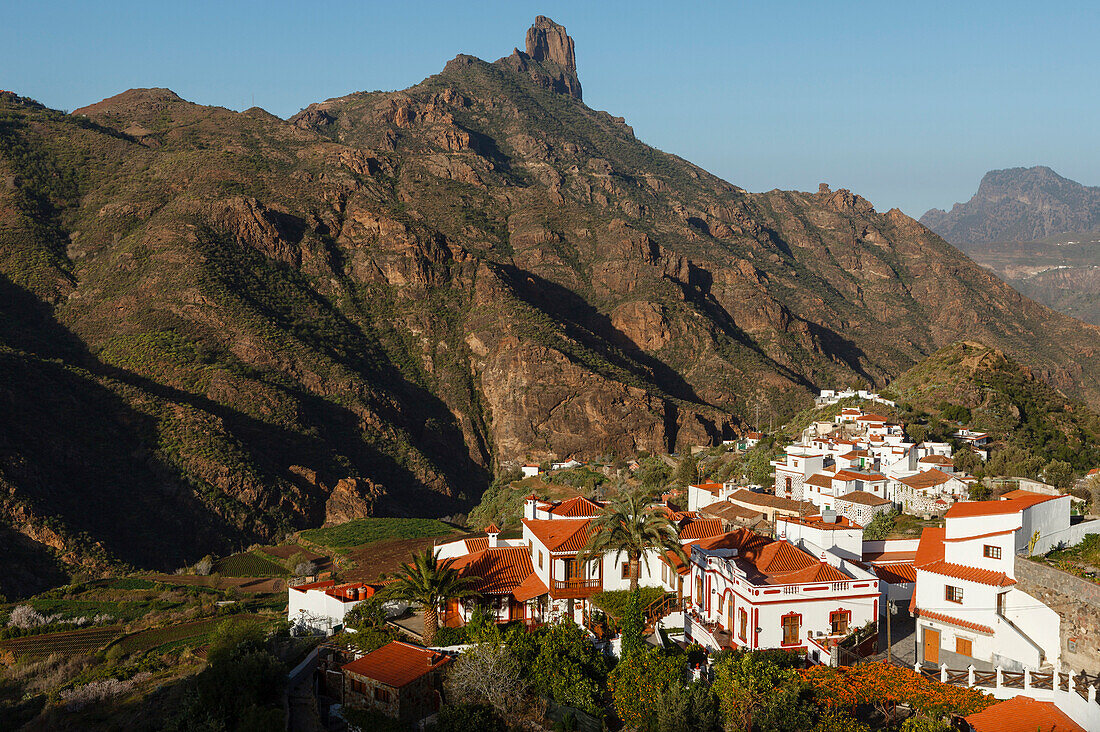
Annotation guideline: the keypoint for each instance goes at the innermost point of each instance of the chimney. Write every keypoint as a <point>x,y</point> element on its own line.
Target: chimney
<point>823,560</point>
<point>493,531</point>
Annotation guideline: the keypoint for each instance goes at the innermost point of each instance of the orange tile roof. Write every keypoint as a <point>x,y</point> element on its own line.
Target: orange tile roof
<point>477,544</point>
<point>928,479</point>
<point>863,497</point>
<point>890,557</point>
<point>970,574</point>
<point>731,512</point>
<point>700,529</point>
<point>820,480</point>
<point>937,459</point>
<point>930,549</point>
<point>530,588</point>
<point>965,509</point>
<point>499,570</point>
<point>492,529</point>
<point>847,475</point>
<point>770,501</point>
<point>577,507</point>
<point>713,488</point>
<point>818,522</point>
<point>675,562</point>
<point>955,621</point>
<point>397,664</point>
<point>895,573</point>
<point>1023,714</point>
<point>1032,497</point>
<point>771,561</point>
<point>560,535</point>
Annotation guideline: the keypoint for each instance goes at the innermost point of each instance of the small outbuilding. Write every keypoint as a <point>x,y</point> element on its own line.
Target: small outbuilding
<point>399,680</point>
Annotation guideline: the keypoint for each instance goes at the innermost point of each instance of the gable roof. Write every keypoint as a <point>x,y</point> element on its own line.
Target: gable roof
<point>560,535</point>
<point>821,480</point>
<point>499,570</point>
<point>731,512</point>
<point>863,497</point>
<point>713,488</point>
<point>847,475</point>
<point>577,507</point>
<point>937,460</point>
<point>771,561</point>
<point>700,529</point>
<point>397,664</point>
<point>1023,714</point>
<point>928,479</point>
<point>930,549</point>
<point>770,501</point>
<point>969,574</point>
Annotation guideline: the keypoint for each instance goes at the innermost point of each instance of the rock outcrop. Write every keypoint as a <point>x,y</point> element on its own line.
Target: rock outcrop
<point>549,44</point>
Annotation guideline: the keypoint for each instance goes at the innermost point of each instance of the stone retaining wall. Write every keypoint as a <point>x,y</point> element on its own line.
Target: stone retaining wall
<point>1076,600</point>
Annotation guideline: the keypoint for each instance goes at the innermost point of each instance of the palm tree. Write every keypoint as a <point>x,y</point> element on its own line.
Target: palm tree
<point>628,525</point>
<point>429,583</point>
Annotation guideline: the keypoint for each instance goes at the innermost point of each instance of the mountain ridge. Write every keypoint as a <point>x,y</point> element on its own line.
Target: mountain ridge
<point>373,306</point>
<point>1018,204</point>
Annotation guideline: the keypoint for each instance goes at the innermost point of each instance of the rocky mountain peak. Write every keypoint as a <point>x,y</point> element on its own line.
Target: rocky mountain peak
<point>548,43</point>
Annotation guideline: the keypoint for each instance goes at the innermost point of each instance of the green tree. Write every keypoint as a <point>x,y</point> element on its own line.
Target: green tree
<point>687,471</point>
<point>633,625</point>
<point>691,708</point>
<point>629,526</point>
<point>880,525</point>
<point>638,682</point>
<point>744,681</point>
<point>560,662</point>
<point>429,583</point>
<point>1059,474</point>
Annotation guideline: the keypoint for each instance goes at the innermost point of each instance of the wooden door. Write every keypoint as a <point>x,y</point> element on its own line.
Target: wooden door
<point>931,646</point>
<point>964,647</point>
<point>571,570</point>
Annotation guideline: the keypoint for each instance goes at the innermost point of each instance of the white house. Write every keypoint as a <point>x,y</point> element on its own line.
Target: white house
<point>750,591</point>
<point>798,464</point>
<point>320,607</point>
<point>929,491</point>
<point>861,506</point>
<point>529,470</point>
<point>965,600</point>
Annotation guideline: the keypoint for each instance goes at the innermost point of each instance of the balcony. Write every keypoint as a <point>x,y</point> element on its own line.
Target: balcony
<point>575,588</point>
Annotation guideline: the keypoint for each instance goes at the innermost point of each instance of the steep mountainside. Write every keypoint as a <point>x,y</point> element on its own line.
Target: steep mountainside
<point>1018,204</point>
<point>1003,398</point>
<point>219,326</point>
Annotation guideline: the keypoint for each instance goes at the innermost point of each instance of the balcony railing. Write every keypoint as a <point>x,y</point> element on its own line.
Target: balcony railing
<point>576,587</point>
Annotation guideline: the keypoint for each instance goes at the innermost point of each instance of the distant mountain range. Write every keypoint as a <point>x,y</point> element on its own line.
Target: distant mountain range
<point>1018,204</point>
<point>217,327</point>
<point>1037,231</point>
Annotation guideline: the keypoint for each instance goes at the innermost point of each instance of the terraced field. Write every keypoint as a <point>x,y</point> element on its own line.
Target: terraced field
<point>156,637</point>
<point>249,564</point>
<point>69,643</point>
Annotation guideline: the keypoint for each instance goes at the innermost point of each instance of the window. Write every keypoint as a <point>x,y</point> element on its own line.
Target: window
<point>991,552</point>
<point>721,605</point>
<point>953,594</point>
<point>791,625</point>
<point>838,622</point>
<point>381,695</point>
<point>964,647</point>
<point>626,570</point>
<point>358,686</point>
<point>540,558</point>
<point>788,485</point>
<point>744,618</point>
<point>699,591</point>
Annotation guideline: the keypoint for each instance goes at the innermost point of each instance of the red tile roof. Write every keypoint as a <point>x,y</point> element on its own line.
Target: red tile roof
<point>955,621</point>
<point>895,573</point>
<point>477,544</point>
<point>1023,714</point>
<point>700,529</point>
<point>927,479</point>
<point>770,501</point>
<point>970,574</point>
<point>965,509</point>
<point>847,475</point>
<point>818,522</point>
<point>771,561</point>
<point>864,498</point>
<point>530,588</point>
<point>890,557</point>
<point>397,664</point>
<point>577,507</point>
<point>1033,497</point>
<point>499,570</point>
<point>731,512</point>
<point>821,480</point>
<point>560,535</point>
<point>937,459</point>
<point>713,488</point>
<point>492,529</point>
<point>930,548</point>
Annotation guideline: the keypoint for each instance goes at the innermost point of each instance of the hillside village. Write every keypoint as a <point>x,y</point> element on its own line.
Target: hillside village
<point>850,547</point>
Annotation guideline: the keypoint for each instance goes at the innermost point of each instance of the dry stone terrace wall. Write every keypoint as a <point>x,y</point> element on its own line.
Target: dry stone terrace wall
<point>1076,600</point>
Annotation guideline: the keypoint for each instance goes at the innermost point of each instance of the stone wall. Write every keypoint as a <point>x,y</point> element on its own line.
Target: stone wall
<point>1076,600</point>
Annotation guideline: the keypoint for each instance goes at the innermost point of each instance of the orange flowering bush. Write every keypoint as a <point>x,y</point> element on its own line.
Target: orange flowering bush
<point>637,682</point>
<point>883,686</point>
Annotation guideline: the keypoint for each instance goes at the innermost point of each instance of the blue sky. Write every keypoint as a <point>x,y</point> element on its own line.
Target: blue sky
<point>907,104</point>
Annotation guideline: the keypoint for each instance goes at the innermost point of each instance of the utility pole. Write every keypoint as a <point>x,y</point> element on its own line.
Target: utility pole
<point>889,635</point>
